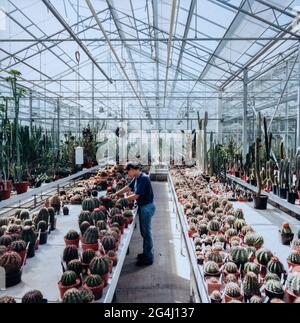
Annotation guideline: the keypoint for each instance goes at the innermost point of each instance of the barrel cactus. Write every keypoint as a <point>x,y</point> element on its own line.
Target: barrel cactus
<point>213,225</point>
<point>122,203</point>
<point>68,278</point>
<point>98,215</point>
<point>101,225</point>
<point>75,265</point>
<point>271,276</point>
<point>5,240</point>
<point>216,296</point>
<point>65,210</point>
<point>202,228</point>
<point>250,285</point>
<point>28,235</point>
<point>119,219</point>
<point>72,235</point>
<point>87,256</point>
<point>24,215</point>
<point>230,233</point>
<point>211,268</point>
<point>72,295</point>
<point>108,243</point>
<point>293,283</point>
<point>294,257</point>
<point>231,278</point>
<point>18,246</point>
<point>232,290</point>
<point>239,223</point>
<point>263,256</point>
<point>96,201</point>
<point>230,268</point>
<point>255,299</point>
<point>296,244</point>
<point>33,297</point>
<point>70,253</point>
<point>3,250</point>
<point>239,255</point>
<point>275,266</point>
<point>215,256</point>
<point>91,235</point>
<point>84,226</point>
<point>42,225</point>
<point>239,214</point>
<point>84,216</point>
<point>43,215</point>
<point>7,300</point>
<point>245,229</point>
<point>88,205</point>
<point>99,266</point>
<point>11,262</point>
<point>274,286</point>
<point>93,280</point>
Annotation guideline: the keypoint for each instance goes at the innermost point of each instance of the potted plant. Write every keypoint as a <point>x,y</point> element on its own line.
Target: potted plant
<point>42,229</point>
<point>72,238</point>
<point>99,266</point>
<point>286,233</point>
<point>12,264</point>
<point>86,258</point>
<point>19,246</point>
<point>33,297</point>
<point>55,203</point>
<point>233,292</point>
<point>215,297</point>
<point>260,201</point>
<point>293,286</point>
<point>274,289</point>
<point>275,266</point>
<point>20,185</point>
<point>90,238</point>
<point>72,296</point>
<point>68,280</point>
<point>29,236</point>
<point>293,259</point>
<point>65,210</point>
<point>95,284</point>
<point>251,285</point>
<point>70,252</point>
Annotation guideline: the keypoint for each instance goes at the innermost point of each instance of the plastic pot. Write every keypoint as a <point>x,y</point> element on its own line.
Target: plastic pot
<point>97,290</point>
<point>260,202</point>
<point>275,189</point>
<point>31,250</point>
<point>291,197</point>
<point>43,237</point>
<point>5,194</point>
<point>282,193</point>
<point>13,279</point>
<point>72,242</point>
<point>286,238</point>
<point>21,187</point>
<point>63,289</point>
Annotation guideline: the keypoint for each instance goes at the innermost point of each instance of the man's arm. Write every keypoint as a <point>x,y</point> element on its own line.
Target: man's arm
<point>123,190</point>
<point>132,197</point>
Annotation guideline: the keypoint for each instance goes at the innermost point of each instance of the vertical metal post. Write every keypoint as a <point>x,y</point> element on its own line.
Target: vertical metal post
<point>30,112</point>
<point>219,116</point>
<point>58,122</point>
<point>93,96</point>
<point>298,107</point>
<point>245,102</point>
<point>286,113</point>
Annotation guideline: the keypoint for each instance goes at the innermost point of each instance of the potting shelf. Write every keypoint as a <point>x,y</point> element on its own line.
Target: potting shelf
<point>44,270</point>
<point>271,197</point>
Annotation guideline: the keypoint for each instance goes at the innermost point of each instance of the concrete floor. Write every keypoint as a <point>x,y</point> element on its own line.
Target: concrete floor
<point>167,280</point>
<point>267,223</point>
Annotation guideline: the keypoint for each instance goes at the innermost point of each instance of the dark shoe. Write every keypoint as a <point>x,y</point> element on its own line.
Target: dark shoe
<point>140,256</point>
<point>141,263</point>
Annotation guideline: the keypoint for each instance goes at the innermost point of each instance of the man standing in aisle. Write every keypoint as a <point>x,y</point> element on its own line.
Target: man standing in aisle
<point>143,194</point>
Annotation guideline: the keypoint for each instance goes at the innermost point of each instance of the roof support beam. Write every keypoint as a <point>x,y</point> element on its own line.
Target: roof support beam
<point>56,14</point>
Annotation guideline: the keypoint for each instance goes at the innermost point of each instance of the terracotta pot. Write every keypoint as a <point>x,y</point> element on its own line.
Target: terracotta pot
<point>13,279</point>
<point>5,194</point>
<point>229,298</point>
<point>212,285</point>
<point>93,246</point>
<point>97,290</point>
<point>289,296</point>
<point>292,265</point>
<point>105,278</point>
<point>21,187</point>
<point>114,260</point>
<point>72,242</point>
<point>63,289</point>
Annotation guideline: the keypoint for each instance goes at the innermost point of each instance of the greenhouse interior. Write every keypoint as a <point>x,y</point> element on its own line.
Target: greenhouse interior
<point>153,143</point>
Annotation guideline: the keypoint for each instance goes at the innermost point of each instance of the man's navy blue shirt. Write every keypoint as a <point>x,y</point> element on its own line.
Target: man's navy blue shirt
<point>142,186</point>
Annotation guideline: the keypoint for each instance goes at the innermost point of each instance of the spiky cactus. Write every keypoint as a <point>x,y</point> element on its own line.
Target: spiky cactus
<point>119,219</point>
<point>98,215</point>
<point>7,300</point>
<point>275,266</point>
<point>239,223</point>
<point>239,255</point>
<point>93,280</point>
<point>294,257</point>
<point>211,267</point>
<point>87,256</point>
<point>11,262</point>
<point>91,235</point>
<point>99,266</point>
<point>84,216</point>
<point>274,286</point>
<point>215,256</point>
<point>42,225</point>
<point>70,253</point>
<point>33,297</point>
<point>84,226</point>
<point>75,265</point>
<point>68,278</point>
<point>55,202</point>
<point>232,290</point>
<point>65,210</point>
<point>88,205</point>
<point>72,295</point>
<point>18,246</point>
<point>108,243</point>
<point>263,256</point>
<point>213,225</point>
<point>231,278</point>
<point>72,235</point>
<point>230,268</point>
<point>239,214</point>
<point>250,285</point>
<point>255,299</point>
<point>5,240</point>
<point>28,235</point>
<point>293,283</point>
<point>271,276</point>
<point>24,215</point>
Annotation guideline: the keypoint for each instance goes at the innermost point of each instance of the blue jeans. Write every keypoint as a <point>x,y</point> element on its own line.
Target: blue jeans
<point>145,215</point>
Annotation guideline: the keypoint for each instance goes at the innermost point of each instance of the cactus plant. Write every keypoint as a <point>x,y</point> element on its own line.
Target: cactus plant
<point>33,297</point>
<point>211,268</point>
<point>239,214</point>
<point>274,286</point>
<point>98,215</point>
<point>250,285</point>
<point>91,235</point>
<point>231,278</point>
<point>55,202</point>
<point>108,243</point>
<point>101,225</point>
<point>96,201</point>
<point>84,226</point>
<point>294,257</point>
<point>7,300</point>
<point>213,225</point>
<point>87,256</point>
<point>84,216</point>
<point>72,235</point>
<point>65,210</point>
<point>216,296</point>
<point>18,246</point>
<point>215,256</point>
<point>11,262</point>
<point>255,299</point>
<point>86,295</point>
<point>230,268</point>
<point>271,276</point>
<point>293,283</point>
<point>239,255</point>
<point>75,265</point>
<point>232,290</point>
<point>24,215</point>
<point>42,225</point>
<point>43,215</point>
<point>68,278</point>
<point>275,266</point>
<point>70,253</point>
<point>263,256</point>
<point>93,280</point>
<point>72,295</point>
<point>88,205</point>
<point>239,223</point>
<point>99,266</point>
<point>5,240</point>
<point>28,235</point>
<point>119,219</point>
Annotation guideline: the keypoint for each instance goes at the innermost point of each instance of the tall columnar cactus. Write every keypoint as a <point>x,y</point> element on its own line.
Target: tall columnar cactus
<point>250,285</point>
<point>33,297</point>
<point>268,140</point>
<point>203,126</point>
<point>298,169</point>
<point>257,155</point>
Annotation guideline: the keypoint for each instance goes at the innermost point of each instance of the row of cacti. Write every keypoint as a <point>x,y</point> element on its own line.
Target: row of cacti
<point>227,246</point>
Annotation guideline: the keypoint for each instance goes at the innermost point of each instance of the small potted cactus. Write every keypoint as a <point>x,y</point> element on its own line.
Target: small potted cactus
<point>233,292</point>
<point>55,202</point>
<point>29,236</point>
<point>19,246</point>
<point>90,238</point>
<point>86,295</point>
<point>293,259</point>
<point>255,299</point>
<point>68,280</point>
<point>70,253</point>
<point>286,233</point>
<point>231,268</point>
<point>42,230</point>
<point>274,289</point>
<point>100,266</point>
<point>251,285</point>
<point>65,210</point>
<point>211,268</point>
<point>95,284</point>
<point>293,286</point>
<point>86,258</point>
<point>33,297</point>
<point>215,297</point>
<point>113,256</point>
<point>72,238</point>
<point>275,266</point>
<point>12,264</point>
<point>72,295</point>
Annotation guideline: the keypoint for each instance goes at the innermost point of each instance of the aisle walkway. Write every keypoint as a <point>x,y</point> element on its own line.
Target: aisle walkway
<point>167,280</point>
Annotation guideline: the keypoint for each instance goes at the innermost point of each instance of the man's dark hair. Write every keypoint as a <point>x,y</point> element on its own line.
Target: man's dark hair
<point>132,166</point>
